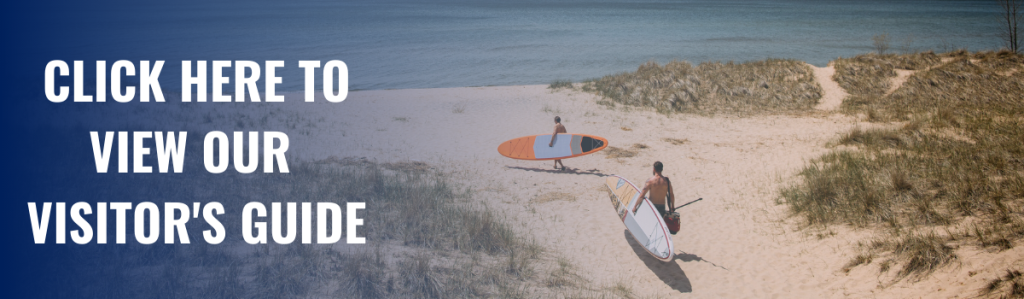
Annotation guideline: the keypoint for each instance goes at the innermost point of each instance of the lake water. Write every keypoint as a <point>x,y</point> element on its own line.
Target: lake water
<point>422,44</point>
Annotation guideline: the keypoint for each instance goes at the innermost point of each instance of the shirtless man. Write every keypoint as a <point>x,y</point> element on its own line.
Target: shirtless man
<point>659,187</point>
<point>559,128</point>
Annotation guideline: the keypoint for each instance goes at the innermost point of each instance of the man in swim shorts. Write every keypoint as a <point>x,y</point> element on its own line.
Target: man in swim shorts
<point>660,190</point>
<point>559,128</point>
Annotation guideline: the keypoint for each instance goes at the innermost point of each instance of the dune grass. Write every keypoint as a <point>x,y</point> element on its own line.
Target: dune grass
<point>674,141</point>
<point>427,238</point>
<point>758,87</point>
<point>957,160</point>
<point>558,84</point>
<point>1009,286</point>
<point>864,74</point>
<point>617,153</point>
<point>959,83</point>
<point>867,77</point>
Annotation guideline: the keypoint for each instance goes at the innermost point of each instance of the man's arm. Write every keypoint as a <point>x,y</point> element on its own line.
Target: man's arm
<point>552,143</point>
<point>647,188</point>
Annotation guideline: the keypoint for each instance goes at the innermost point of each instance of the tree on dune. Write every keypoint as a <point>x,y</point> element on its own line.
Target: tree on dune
<point>1010,18</point>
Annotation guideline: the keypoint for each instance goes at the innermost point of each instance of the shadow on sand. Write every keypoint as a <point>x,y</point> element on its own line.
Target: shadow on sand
<point>687,257</point>
<point>670,272</point>
<point>568,170</point>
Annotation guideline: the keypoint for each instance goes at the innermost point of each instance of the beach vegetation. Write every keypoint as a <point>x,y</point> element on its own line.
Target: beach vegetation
<point>1010,19</point>
<point>858,260</point>
<point>427,238</point>
<point>1009,285</point>
<point>922,253</point>
<point>565,275</point>
<point>548,109</point>
<point>949,157</point>
<point>622,290</point>
<point>617,153</point>
<point>749,88</point>
<point>881,43</point>
<point>559,84</point>
<point>867,77</point>
<point>907,45</point>
<point>459,108</point>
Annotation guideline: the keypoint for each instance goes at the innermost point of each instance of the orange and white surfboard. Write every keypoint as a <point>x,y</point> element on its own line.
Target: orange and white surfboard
<point>565,146</point>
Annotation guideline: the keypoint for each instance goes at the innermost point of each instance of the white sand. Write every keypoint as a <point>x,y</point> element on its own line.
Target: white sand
<point>833,94</point>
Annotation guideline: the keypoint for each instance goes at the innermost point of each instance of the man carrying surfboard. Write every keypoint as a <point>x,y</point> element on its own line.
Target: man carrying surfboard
<point>559,128</point>
<point>660,190</point>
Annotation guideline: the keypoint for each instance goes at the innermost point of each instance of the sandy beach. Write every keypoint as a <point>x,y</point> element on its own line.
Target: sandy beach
<point>736,243</point>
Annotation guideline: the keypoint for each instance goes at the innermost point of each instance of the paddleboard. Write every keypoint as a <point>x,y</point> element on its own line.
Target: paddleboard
<point>565,146</point>
<point>641,218</point>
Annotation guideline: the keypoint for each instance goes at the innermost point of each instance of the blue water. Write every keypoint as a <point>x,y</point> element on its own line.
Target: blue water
<point>418,44</point>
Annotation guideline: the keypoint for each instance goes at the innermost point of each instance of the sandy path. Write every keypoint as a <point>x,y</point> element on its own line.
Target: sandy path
<point>833,94</point>
<point>901,77</point>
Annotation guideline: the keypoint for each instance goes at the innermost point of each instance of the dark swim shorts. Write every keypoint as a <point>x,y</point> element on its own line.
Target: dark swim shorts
<point>661,209</point>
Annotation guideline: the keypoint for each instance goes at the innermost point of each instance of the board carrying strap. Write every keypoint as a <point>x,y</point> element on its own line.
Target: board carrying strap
<point>670,201</point>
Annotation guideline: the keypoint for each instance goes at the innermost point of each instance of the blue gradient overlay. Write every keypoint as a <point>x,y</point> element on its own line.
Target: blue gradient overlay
<point>386,44</point>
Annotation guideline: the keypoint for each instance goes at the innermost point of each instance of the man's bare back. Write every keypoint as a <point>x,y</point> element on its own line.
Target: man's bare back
<point>559,128</point>
<point>658,188</point>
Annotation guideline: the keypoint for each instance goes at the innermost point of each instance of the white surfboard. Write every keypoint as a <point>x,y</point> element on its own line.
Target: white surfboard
<point>641,218</point>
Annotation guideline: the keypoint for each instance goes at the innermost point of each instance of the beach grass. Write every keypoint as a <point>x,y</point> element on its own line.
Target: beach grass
<point>749,88</point>
<point>617,153</point>
<point>952,160</point>
<point>559,84</point>
<point>1009,285</point>
<point>428,238</point>
<point>868,77</point>
<point>675,141</point>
